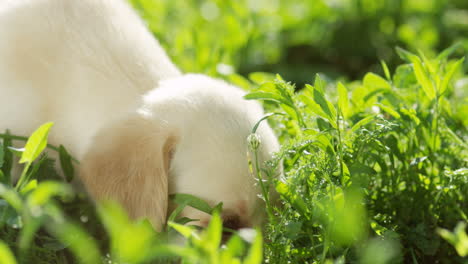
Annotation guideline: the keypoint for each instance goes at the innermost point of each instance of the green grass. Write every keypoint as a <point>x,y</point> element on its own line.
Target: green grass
<point>375,169</point>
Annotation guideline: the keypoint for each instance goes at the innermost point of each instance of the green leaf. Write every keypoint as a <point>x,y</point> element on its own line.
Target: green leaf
<point>66,164</point>
<point>449,51</point>
<point>261,77</point>
<point>80,243</point>
<point>389,110</point>
<point>362,122</point>
<point>458,238</point>
<point>212,235</point>
<point>46,190</point>
<point>306,97</point>
<point>11,196</point>
<point>7,158</point>
<point>36,143</point>
<point>193,201</point>
<point>264,96</point>
<point>343,101</point>
<point>131,241</point>
<point>326,106</point>
<point>451,70</point>
<point>405,55</point>
<point>254,129</point>
<point>375,81</point>
<point>6,255</point>
<point>185,231</point>
<point>423,79</point>
<point>2,155</point>
<point>386,70</point>
<point>255,255</point>
<point>234,247</point>
<point>319,84</point>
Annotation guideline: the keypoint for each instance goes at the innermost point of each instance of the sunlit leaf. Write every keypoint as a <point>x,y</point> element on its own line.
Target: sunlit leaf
<point>362,122</point>
<point>6,255</point>
<point>36,143</point>
<point>386,70</point>
<point>375,81</point>
<point>2,155</point>
<point>449,51</point>
<point>343,99</point>
<point>255,255</point>
<point>458,238</point>
<point>66,164</point>
<point>84,247</point>
<point>192,201</point>
<point>451,70</point>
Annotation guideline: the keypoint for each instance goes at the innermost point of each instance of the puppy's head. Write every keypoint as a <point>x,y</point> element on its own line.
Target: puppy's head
<point>211,158</point>
<point>190,136</point>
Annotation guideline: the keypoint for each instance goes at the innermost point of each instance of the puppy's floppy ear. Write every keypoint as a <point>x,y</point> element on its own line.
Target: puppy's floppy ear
<point>129,163</point>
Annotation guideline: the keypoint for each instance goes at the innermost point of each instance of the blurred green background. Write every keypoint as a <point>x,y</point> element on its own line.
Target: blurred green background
<point>298,38</point>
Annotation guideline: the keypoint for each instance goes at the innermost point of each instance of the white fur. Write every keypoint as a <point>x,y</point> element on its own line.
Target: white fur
<point>90,66</point>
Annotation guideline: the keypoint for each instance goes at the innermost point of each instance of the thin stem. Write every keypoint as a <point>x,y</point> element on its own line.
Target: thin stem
<point>265,192</point>
<point>22,179</point>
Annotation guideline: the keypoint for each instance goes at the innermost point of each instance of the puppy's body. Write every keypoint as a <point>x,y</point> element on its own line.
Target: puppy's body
<point>90,67</point>
<point>77,63</point>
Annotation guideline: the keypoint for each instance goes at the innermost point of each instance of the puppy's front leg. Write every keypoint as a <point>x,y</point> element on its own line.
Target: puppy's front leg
<point>129,163</point>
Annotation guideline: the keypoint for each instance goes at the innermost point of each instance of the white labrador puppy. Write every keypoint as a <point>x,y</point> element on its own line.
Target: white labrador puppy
<point>91,66</point>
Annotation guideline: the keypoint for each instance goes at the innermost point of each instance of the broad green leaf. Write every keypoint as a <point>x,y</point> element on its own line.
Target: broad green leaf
<point>11,196</point>
<point>411,113</point>
<point>190,200</point>
<point>46,190</point>
<point>261,77</point>
<point>343,101</point>
<point>255,255</point>
<point>451,70</point>
<point>306,97</point>
<point>458,238</point>
<point>264,96</point>
<point>326,106</point>
<point>212,235</point>
<point>375,81</point>
<point>404,77</point>
<point>30,186</point>
<point>36,143</point>
<point>423,79</point>
<point>346,217</point>
<point>449,51</point>
<point>405,55</point>
<point>389,110</point>
<point>66,164</point>
<point>234,247</point>
<point>319,84</point>
<point>185,231</point>
<point>361,123</point>
<point>79,242</point>
<point>6,255</point>
<point>431,66</point>
<point>131,241</point>
<point>239,81</point>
